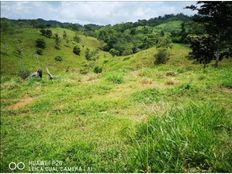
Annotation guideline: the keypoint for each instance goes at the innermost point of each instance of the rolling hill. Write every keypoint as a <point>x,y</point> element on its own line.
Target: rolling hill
<point>133,116</point>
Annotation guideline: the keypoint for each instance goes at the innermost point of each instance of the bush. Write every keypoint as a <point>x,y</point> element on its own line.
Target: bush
<point>40,43</point>
<point>161,57</point>
<point>46,33</point>
<point>114,52</point>
<point>58,58</point>
<point>76,50</point>
<point>57,47</point>
<point>83,71</point>
<point>24,74</point>
<point>39,51</point>
<point>97,69</point>
<point>91,55</point>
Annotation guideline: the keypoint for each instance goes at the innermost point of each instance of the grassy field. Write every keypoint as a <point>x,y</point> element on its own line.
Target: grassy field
<point>133,117</point>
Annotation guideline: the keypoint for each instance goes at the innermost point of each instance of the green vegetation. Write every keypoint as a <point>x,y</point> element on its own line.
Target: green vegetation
<point>115,77</point>
<point>184,139</point>
<point>40,43</point>
<point>216,42</point>
<point>161,57</point>
<point>58,58</point>
<point>24,74</point>
<point>76,50</point>
<point>46,33</point>
<point>111,108</point>
<point>97,69</point>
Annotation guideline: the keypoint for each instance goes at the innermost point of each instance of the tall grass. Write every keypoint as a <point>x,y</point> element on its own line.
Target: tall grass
<point>115,77</point>
<point>188,139</point>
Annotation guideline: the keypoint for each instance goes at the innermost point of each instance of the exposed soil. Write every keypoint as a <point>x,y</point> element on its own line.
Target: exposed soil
<point>21,103</point>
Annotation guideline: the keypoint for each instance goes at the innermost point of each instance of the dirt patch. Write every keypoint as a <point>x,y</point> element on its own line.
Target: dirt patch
<point>146,82</point>
<point>169,82</point>
<point>90,78</point>
<point>21,103</point>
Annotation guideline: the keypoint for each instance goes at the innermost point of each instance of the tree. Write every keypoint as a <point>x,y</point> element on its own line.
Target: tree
<point>164,40</point>
<point>40,43</point>
<point>88,54</point>
<point>76,50</point>
<point>64,35</point>
<point>77,39</point>
<point>39,51</point>
<point>217,20</point>
<point>46,33</point>
<point>202,49</point>
<point>57,41</point>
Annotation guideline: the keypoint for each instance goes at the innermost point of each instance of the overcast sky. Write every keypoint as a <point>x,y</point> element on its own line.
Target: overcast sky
<point>91,12</point>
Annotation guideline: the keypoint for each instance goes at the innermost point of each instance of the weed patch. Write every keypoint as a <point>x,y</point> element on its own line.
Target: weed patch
<point>115,77</point>
<point>146,96</point>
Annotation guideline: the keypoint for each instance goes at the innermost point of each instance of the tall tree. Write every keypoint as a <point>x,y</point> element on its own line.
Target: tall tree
<point>217,19</point>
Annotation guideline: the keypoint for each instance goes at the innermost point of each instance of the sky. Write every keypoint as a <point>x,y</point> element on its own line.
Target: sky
<point>101,13</point>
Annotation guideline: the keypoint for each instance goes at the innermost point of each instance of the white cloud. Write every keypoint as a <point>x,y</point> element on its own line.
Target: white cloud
<point>91,12</point>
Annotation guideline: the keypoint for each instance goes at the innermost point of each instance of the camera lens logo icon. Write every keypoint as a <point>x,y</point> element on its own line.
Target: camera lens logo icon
<point>14,166</point>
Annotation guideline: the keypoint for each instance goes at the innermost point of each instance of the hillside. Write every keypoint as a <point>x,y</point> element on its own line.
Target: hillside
<point>134,116</point>
<point>12,64</point>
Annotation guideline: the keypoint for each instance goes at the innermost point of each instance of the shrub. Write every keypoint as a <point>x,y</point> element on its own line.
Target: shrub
<point>76,50</point>
<point>39,51</point>
<point>127,51</point>
<point>83,71</point>
<point>58,58</point>
<point>46,33</point>
<point>114,77</point>
<point>170,73</point>
<point>24,74</point>
<point>91,55</point>
<point>57,41</point>
<point>57,47</point>
<point>114,52</point>
<point>169,82</point>
<point>97,69</point>
<point>40,43</point>
<point>162,56</point>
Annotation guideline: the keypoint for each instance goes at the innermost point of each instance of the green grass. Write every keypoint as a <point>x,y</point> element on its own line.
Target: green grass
<point>115,77</point>
<point>133,117</point>
<point>185,139</point>
<point>169,26</point>
<point>147,96</point>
